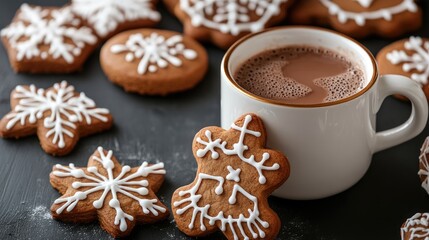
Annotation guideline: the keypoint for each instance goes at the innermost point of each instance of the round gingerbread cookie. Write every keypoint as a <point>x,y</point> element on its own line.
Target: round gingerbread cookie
<point>47,40</point>
<point>223,22</point>
<point>408,57</point>
<point>416,227</point>
<point>153,62</point>
<point>360,18</point>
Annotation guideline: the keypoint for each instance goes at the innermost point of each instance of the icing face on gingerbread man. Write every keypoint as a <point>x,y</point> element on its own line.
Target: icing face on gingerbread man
<point>235,176</point>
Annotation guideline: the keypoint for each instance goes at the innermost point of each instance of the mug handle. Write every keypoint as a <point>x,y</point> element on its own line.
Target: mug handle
<point>396,84</point>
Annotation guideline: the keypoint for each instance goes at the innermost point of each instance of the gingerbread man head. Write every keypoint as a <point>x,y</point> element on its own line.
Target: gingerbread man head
<point>235,176</point>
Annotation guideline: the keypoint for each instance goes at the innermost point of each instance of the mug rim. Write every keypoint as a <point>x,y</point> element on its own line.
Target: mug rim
<point>226,60</point>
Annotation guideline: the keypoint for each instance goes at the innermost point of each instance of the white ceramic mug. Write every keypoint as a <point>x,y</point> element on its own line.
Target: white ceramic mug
<point>329,145</point>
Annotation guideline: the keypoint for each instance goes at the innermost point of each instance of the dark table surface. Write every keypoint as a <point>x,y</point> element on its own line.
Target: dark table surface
<point>162,128</point>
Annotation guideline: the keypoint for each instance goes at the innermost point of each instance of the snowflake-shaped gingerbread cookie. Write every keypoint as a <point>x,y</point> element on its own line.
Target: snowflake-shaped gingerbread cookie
<point>408,57</point>
<point>59,116</point>
<point>360,18</point>
<point>224,21</point>
<point>47,39</point>
<point>119,196</point>
<point>235,176</point>
<point>109,17</point>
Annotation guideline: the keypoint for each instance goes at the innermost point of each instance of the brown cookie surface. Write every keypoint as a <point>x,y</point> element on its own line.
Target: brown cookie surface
<point>223,22</point>
<point>408,57</point>
<point>109,17</point>
<point>58,115</point>
<point>118,196</point>
<point>360,18</point>
<point>235,176</point>
<point>153,62</point>
<point>416,227</point>
<point>47,40</point>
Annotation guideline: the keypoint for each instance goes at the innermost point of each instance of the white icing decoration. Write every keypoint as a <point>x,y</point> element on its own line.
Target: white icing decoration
<point>64,107</point>
<point>365,3</point>
<point>234,174</point>
<point>113,184</point>
<point>154,51</point>
<point>57,29</point>
<point>425,163</point>
<point>361,17</point>
<point>238,149</point>
<point>418,61</point>
<point>251,222</point>
<point>106,15</point>
<point>416,232</point>
<point>231,16</point>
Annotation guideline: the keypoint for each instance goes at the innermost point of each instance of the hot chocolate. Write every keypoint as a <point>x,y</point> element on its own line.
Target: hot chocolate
<point>300,75</point>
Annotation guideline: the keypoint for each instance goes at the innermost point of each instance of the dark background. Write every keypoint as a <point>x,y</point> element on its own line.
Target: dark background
<point>162,128</point>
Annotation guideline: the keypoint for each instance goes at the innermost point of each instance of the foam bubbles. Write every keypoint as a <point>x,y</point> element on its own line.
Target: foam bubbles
<point>263,75</point>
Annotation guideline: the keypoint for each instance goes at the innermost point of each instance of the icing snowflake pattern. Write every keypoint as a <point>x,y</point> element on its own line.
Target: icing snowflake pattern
<point>37,26</point>
<point>110,184</point>
<point>106,15</point>
<point>418,60</point>
<point>416,232</point>
<point>425,163</point>
<point>231,16</point>
<point>238,149</point>
<point>361,17</point>
<point>64,107</point>
<point>251,222</point>
<point>154,51</point>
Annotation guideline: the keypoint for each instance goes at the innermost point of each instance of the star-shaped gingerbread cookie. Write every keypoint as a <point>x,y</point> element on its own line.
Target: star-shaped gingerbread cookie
<point>236,174</point>
<point>360,18</point>
<point>58,115</point>
<point>118,196</point>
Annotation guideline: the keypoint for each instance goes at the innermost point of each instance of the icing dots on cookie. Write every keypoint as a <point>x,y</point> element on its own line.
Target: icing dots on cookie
<point>58,29</point>
<point>154,51</point>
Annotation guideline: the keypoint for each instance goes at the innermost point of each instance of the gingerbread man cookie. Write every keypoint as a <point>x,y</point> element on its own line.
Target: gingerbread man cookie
<point>360,18</point>
<point>118,196</point>
<point>59,116</point>
<point>47,40</point>
<point>408,57</point>
<point>235,176</point>
<point>416,227</point>
<point>109,17</point>
<point>153,62</point>
<point>223,22</point>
